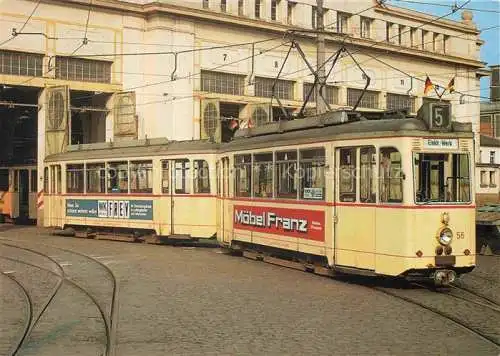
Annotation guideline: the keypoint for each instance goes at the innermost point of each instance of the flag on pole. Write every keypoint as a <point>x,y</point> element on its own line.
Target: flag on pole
<point>451,85</point>
<point>428,85</point>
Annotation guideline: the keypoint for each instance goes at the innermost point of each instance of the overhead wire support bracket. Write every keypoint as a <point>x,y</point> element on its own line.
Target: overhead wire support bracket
<point>368,79</point>
<point>273,96</point>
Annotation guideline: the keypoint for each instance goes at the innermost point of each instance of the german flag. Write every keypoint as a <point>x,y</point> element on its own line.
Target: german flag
<point>451,85</point>
<point>428,85</point>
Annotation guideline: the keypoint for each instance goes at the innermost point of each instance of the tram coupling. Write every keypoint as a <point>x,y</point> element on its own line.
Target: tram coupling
<point>444,277</point>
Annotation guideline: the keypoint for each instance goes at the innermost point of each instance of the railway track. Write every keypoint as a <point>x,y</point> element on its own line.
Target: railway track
<point>79,283</point>
<point>481,318</point>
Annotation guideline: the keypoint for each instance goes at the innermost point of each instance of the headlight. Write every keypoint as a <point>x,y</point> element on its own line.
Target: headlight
<point>445,237</point>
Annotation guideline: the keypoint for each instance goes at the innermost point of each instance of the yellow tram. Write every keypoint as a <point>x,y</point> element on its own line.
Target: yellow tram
<point>18,192</point>
<point>150,186</point>
<point>380,197</point>
<point>337,192</point>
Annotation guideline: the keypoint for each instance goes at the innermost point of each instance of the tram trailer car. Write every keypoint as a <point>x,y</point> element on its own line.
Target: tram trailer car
<point>18,193</point>
<point>390,197</point>
<point>156,187</point>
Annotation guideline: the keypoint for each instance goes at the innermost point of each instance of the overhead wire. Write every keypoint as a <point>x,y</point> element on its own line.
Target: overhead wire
<point>85,40</point>
<point>445,5</point>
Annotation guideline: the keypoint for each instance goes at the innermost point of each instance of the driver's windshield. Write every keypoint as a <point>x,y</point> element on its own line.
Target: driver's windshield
<point>442,177</point>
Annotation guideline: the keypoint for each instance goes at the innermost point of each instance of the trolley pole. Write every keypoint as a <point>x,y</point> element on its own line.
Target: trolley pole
<point>320,58</point>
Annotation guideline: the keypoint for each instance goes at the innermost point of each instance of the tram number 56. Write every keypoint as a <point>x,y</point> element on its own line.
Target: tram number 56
<point>460,235</point>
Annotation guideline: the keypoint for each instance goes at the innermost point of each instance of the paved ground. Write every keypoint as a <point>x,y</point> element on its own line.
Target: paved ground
<point>192,301</point>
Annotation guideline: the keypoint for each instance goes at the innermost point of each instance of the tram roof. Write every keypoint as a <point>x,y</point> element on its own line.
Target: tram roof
<point>338,126</point>
<point>133,148</point>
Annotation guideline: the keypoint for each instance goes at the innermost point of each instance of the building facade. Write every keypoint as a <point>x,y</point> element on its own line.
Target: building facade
<point>71,73</point>
<point>488,171</point>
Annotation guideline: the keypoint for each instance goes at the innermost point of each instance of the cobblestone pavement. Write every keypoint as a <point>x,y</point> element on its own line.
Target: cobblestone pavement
<point>197,301</point>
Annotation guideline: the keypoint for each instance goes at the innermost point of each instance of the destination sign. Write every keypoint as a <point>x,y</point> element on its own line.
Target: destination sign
<point>441,143</point>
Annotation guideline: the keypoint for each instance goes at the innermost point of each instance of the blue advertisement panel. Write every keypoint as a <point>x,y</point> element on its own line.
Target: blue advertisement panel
<point>112,209</point>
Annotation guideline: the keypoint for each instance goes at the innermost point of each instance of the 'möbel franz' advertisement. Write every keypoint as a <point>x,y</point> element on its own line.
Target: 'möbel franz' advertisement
<point>304,224</point>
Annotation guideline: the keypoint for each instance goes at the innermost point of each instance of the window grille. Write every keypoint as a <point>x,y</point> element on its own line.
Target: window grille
<point>331,93</point>
<point>84,70</point>
<point>369,100</point>
<point>56,110</point>
<point>282,90</point>
<point>398,101</point>
<point>210,119</point>
<point>223,83</point>
<point>21,63</point>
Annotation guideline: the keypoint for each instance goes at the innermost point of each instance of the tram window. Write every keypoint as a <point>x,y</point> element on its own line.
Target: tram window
<point>96,178</point>
<point>165,177</point>
<point>286,174</point>
<point>312,174</point>
<point>367,178</point>
<point>201,176</point>
<point>243,175</point>
<point>4,180</point>
<point>141,177</point>
<point>117,177</point>
<point>74,178</point>
<point>182,178</point>
<point>263,175</point>
<point>34,185</point>
<point>347,175</point>
<point>442,177</point>
<point>53,180</point>
<point>59,180</point>
<point>390,175</point>
<point>46,180</point>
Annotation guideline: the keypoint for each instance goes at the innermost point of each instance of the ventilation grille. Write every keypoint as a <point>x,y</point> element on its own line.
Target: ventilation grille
<point>464,145</point>
<point>416,144</point>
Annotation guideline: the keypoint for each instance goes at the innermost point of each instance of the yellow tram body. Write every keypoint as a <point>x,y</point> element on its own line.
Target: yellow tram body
<point>143,186</point>
<point>381,197</point>
<point>18,192</point>
<point>364,215</point>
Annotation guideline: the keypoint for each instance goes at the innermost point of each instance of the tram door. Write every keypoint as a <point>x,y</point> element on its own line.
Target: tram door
<point>180,188</point>
<point>222,194</point>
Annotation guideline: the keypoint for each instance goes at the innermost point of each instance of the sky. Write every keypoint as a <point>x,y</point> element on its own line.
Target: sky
<point>486,14</point>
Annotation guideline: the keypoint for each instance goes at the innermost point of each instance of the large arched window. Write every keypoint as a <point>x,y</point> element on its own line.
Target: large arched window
<point>260,117</point>
<point>56,111</point>
<point>210,118</point>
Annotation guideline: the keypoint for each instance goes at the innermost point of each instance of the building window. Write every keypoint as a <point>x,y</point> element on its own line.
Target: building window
<point>264,88</point>
<point>390,175</point>
<point>289,12</point>
<point>74,178</point>
<point>413,34</point>
<point>493,183</point>
<point>312,174</point>
<point>365,27</point>
<point>84,70</point>
<point>201,177</point>
<point>388,26</point>
<point>286,175</point>
<point>369,99</point>
<point>21,63</point>
<point>205,4</point>
<point>486,125</point>
<point>274,10</point>
<point>141,177</point>
<point>96,178</point>
<point>435,42</point>
<point>347,175</point>
<point>446,43</point>
<point>398,101</point>
<point>257,8</point>
<point>331,93</point>
<point>492,157</point>
<point>342,22</point>
<point>217,82</point>
<point>223,5</point>
<point>243,175</point>
<point>424,36</point>
<point>401,29</point>
<point>314,16</point>
<point>484,179</point>
<point>241,7</point>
